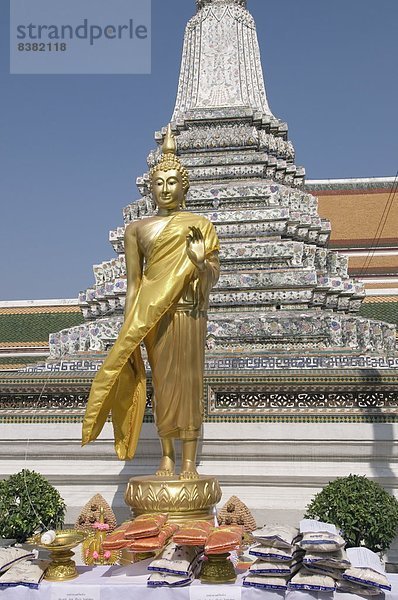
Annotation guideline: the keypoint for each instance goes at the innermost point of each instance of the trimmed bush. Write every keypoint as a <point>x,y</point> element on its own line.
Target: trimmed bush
<point>28,502</point>
<point>365,512</point>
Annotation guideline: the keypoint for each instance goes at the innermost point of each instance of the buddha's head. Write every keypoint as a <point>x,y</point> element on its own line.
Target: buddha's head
<point>169,178</point>
<point>168,189</point>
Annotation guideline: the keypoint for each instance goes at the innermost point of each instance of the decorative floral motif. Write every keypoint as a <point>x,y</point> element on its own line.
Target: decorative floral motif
<point>157,496</point>
<point>101,526</point>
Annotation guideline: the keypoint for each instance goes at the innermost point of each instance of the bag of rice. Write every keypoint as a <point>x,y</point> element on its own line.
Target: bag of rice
<point>312,582</point>
<point>275,554</point>
<point>157,579</point>
<point>12,555</point>
<point>333,573</point>
<point>265,583</point>
<point>274,569</point>
<point>278,536</point>
<point>333,560</point>
<point>321,541</point>
<point>262,567</point>
<point>168,580</point>
<point>346,587</point>
<point>366,569</point>
<point>367,577</point>
<point>24,573</point>
<point>319,536</point>
<point>176,560</point>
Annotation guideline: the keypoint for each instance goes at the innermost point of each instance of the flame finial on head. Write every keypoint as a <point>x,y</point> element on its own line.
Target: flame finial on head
<point>169,143</point>
<point>169,160</point>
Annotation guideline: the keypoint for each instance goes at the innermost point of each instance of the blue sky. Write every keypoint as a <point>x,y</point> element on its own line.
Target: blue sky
<point>71,147</point>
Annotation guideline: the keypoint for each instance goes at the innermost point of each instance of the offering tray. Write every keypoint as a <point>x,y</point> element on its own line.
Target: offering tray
<point>61,567</point>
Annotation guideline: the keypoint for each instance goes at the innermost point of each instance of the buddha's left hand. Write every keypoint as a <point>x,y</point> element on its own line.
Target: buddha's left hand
<point>196,248</point>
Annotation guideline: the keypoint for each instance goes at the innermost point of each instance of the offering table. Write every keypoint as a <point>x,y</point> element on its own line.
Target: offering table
<point>121,583</point>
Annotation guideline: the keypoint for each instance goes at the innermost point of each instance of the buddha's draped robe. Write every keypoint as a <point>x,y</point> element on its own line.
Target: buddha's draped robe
<point>169,315</point>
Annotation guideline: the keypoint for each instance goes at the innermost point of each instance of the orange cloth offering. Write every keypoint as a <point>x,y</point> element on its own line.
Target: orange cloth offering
<point>193,534</point>
<point>145,526</point>
<point>156,542</point>
<point>116,539</point>
<point>224,539</point>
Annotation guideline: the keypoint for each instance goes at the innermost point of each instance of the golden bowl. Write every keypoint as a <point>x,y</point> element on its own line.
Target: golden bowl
<point>61,567</point>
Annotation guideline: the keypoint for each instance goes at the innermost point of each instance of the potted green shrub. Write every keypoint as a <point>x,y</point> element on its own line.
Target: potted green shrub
<point>365,512</point>
<point>28,502</point>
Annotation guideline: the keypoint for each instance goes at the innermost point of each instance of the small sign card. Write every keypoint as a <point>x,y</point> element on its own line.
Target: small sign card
<point>89,592</point>
<point>365,559</point>
<point>219,592</point>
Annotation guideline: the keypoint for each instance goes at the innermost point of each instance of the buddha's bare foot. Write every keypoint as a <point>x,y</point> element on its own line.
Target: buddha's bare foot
<point>188,470</point>
<point>166,468</point>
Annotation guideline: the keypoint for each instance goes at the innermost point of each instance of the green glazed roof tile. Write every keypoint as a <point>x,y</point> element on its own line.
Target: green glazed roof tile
<point>381,311</point>
<point>19,328</point>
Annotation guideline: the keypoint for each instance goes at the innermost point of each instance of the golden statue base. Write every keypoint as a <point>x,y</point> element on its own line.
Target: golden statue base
<point>183,500</point>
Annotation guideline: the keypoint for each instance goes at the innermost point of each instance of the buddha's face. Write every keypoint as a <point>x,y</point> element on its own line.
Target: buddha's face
<point>167,190</point>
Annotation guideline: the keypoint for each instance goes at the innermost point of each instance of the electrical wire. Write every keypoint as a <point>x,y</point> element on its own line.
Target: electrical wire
<point>380,228</point>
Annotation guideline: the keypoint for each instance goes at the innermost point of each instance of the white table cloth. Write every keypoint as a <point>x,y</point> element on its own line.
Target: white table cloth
<point>129,583</point>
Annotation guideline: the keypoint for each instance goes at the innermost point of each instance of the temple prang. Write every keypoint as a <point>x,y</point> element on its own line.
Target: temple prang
<point>281,289</point>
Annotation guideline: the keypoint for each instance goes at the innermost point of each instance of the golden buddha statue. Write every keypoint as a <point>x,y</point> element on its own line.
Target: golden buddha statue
<point>172,264</point>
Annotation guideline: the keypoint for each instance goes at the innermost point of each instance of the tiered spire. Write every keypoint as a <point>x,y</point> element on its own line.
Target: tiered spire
<point>221,64</point>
